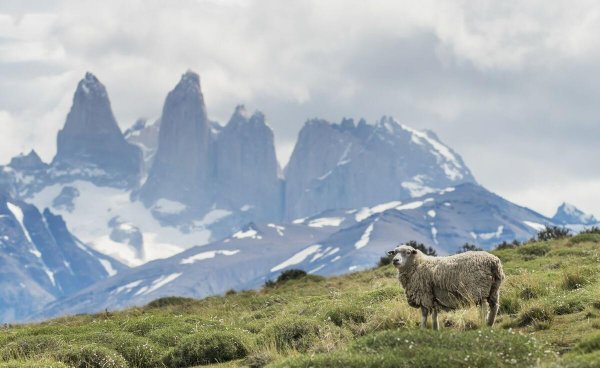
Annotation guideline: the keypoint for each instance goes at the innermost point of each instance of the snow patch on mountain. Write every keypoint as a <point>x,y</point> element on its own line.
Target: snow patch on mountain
<point>534,225</point>
<point>297,258</point>
<point>368,212</point>
<point>207,255</point>
<point>326,221</point>
<point>96,206</point>
<point>365,238</point>
<point>168,207</point>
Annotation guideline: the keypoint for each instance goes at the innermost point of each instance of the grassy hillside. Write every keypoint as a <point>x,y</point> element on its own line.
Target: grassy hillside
<point>549,316</point>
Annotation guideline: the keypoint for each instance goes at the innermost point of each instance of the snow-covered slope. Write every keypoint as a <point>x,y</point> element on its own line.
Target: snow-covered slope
<point>40,261</point>
<point>333,242</point>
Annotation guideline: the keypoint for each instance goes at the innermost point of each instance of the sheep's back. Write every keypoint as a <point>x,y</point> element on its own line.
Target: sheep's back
<point>465,278</point>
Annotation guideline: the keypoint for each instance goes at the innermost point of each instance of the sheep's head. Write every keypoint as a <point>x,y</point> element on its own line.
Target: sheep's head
<point>403,255</point>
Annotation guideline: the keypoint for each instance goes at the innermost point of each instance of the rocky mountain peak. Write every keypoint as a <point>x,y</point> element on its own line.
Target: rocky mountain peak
<point>26,162</point>
<point>568,214</point>
<point>91,142</point>
<point>181,167</point>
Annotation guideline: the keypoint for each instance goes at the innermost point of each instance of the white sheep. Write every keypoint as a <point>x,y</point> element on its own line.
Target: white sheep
<point>448,283</point>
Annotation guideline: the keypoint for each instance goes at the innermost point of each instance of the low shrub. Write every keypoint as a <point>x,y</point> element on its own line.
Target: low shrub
<point>533,315</point>
<point>589,344</point>
<point>207,348</point>
<point>141,326</point>
<point>297,333</point>
<point>553,233</point>
<point>534,249</point>
<point>509,304</point>
<point>26,347</point>
<point>171,335</point>
<point>169,301</point>
<point>569,307</point>
<point>346,313</point>
<point>415,348</point>
<point>381,294</point>
<point>506,245</point>
<point>468,248</point>
<point>590,360</point>
<point>139,352</point>
<point>292,274</point>
<point>573,281</point>
<point>258,360</point>
<point>585,237</point>
<point>90,356</point>
<point>591,230</point>
<point>36,363</point>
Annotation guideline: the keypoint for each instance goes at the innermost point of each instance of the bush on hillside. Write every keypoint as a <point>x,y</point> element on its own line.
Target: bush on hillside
<point>534,249</point>
<point>416,348</point>
<point>293,274</point>
<point>298,333</point>
<point>591,230</point>
<point>468,248</point>
<point>207,348</point>
<point>507,245</point>
<point>138,351</point>
<point>170,301</point>
<point>90,356</point>
<point>553,233</point>
<point>533,315</point>
<point>26,347</point>
<point>342,314</point>
<point>34,363</point>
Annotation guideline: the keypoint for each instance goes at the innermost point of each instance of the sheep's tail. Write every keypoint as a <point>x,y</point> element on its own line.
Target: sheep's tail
<point>497,271</point>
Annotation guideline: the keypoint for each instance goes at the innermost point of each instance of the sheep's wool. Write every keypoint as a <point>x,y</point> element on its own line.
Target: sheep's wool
<point>452,282</point>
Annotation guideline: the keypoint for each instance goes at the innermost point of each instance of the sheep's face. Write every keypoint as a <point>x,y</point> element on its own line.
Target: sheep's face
<point>403,255</point>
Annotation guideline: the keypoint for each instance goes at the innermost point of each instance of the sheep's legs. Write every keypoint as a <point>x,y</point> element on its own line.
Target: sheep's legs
<point>434,319</point>
<point>424,313</point>
<point>494,305</point>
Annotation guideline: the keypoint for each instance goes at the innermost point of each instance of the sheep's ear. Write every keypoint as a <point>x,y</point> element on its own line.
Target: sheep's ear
<point>414,251</point>
<point>391,252</point>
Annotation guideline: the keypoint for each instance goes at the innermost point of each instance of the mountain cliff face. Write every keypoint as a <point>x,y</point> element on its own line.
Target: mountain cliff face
<point>350,165</point>
<point>181,168</point>
<point>41,261</point>
<point>91,145</point>
<point>247,168</point>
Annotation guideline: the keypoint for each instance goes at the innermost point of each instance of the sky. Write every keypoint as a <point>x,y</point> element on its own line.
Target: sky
<point>512,86</point>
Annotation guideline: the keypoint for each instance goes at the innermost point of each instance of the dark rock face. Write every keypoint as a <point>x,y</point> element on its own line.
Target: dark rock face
<point>91,145</point>
<point>40,260</point>
<point>144,135</point>
<point>247,168</point>
<point>181,168</point>
<point>123,232</point>
<point>203,165</point>
<point>347,166</point>
<point>65,198</point>
<point>29,162</point>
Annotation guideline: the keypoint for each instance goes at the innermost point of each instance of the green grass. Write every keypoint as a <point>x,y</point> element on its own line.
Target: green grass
<point>549,317</point>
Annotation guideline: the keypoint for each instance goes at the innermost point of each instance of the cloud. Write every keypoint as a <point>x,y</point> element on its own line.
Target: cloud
<point>507,84</point>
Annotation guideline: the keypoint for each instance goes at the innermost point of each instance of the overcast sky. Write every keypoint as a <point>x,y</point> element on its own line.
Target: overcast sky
<point>513,86</point>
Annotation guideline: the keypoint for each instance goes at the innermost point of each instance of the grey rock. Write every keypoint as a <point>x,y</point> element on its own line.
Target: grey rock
<point>346,165</point>
<point>91,145</point>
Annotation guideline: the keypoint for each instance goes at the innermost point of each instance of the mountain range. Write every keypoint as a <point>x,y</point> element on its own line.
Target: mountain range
<point>203,207</point>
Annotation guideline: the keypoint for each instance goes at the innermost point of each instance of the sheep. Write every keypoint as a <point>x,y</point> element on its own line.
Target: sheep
<point>448,283</point>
